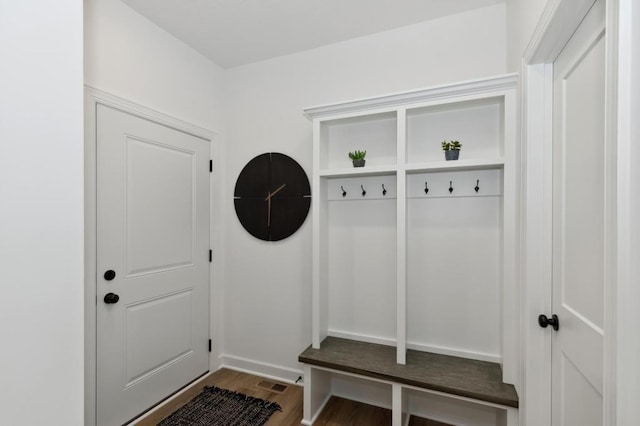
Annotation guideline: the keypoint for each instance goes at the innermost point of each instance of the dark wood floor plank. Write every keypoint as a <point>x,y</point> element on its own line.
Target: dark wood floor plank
<point>345,412</point>
<point>479,380</point>
<point>419,421</point>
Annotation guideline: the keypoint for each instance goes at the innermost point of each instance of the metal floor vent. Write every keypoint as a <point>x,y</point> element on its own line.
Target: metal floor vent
<point>272,386</point>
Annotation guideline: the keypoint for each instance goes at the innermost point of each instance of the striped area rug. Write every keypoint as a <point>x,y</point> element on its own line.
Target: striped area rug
<point>222,407</point>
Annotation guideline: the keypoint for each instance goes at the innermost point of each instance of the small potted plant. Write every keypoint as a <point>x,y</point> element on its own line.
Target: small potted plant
<point>358,158</point>
<point>451,149</point>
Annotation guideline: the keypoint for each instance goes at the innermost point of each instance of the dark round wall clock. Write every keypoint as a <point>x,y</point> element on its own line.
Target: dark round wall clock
<point>272,196</point>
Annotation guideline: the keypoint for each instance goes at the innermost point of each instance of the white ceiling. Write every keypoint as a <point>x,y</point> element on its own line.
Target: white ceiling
<point>238,32</point>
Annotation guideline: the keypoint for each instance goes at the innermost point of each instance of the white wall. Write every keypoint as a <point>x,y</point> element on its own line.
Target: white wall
<point>267,308</point>
<point>41,212</point>
<point>129,56</point>
<point>522,18</point>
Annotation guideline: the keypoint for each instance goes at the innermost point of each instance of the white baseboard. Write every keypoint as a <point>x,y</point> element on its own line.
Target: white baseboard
<point>263,369</point>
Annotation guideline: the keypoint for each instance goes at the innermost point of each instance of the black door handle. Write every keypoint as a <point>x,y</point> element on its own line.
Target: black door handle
<point>109,275</point>
<point>545,321</point>
<point>110,298</point>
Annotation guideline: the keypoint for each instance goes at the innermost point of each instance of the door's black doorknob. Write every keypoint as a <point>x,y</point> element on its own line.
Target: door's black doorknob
<point>545,321</point>
<point>109,275</point>
<point>111,298</point>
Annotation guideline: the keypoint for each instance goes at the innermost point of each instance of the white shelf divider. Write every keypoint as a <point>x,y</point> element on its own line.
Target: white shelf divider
<point>401,248</point>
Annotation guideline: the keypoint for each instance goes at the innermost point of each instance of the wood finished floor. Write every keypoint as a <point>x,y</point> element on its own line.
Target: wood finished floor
<point>337,412</point>
<point>290,400</point>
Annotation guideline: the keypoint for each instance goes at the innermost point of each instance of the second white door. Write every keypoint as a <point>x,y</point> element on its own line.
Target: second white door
<point>579,225</point>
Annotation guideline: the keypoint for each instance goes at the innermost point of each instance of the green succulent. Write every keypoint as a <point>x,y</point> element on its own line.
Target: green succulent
<point>451,146</point>
<point>357,155</point>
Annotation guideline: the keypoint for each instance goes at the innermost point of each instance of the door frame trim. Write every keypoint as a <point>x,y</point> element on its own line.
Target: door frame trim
<point>557,24</point>
<point>628,278</point>
<point>92,98</point>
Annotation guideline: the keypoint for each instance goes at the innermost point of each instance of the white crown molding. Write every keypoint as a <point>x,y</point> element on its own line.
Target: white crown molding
<point>448,91</point>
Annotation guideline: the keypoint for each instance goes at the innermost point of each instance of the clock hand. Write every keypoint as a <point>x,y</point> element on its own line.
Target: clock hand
<point>271,194</point>
<point>269,211</point>
<point>268,200</point>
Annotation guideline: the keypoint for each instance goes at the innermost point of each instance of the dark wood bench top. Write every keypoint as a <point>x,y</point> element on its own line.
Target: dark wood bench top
<point>470,378</point>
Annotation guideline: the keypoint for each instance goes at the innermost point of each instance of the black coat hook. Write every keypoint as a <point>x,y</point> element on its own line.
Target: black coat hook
<point>344,193</point>
<point>363,191</point>
<point>384,190</point>
<point>477,188</point>
<point>426,188</point>
<point>450,187</point>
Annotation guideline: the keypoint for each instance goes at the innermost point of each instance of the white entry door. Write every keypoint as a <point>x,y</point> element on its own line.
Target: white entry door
<point>579,224</point>
<point>152,263</point>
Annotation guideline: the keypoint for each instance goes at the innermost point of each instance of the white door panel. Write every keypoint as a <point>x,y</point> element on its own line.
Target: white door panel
<point>583,407</point>
<point>579,225</point>
<point>153,231</point>
<point>165,320</point>
<point>148,188</point>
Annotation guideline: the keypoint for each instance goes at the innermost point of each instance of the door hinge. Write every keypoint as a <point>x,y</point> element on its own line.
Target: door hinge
<point>209,345</point>
<point>210,256</point>
<point>210,166</point>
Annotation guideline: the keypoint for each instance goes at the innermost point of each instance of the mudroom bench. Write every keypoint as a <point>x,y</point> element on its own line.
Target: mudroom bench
<point>441,387</point>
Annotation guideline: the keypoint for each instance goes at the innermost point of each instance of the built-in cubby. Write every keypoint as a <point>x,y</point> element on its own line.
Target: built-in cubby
<point>477,124</point>
<point>451,411</point>
<point>374,133</point>
<point>413,253</point>
<point>453,263</point>
<point>361,249</point>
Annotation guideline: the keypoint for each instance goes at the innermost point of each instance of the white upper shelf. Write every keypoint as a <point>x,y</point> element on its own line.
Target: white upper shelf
<point>359,171</point>
<point>431,166</point>
<point>455,165</point>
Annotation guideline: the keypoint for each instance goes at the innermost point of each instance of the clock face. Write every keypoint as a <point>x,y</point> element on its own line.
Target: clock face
<point>272,196</point>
